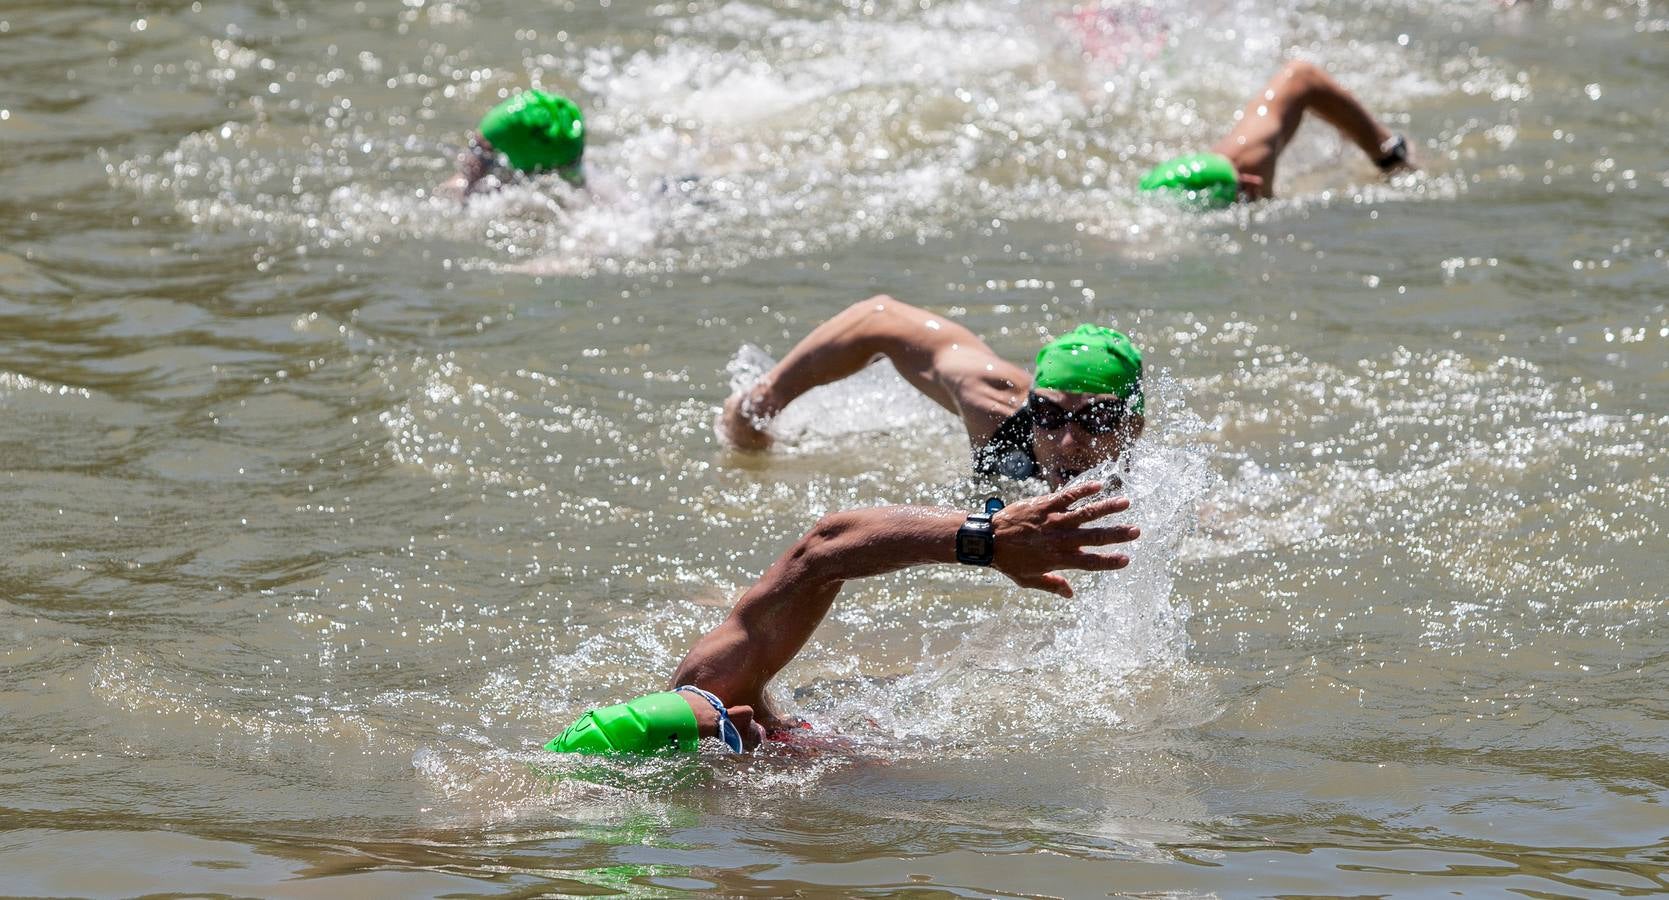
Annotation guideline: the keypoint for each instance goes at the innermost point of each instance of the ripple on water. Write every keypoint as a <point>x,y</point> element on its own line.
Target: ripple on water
<point>339,564</point>
<point>753,132</point>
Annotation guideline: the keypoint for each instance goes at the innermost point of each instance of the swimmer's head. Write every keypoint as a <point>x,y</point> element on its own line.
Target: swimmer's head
<point>1086,401</point>
<point>1201,180</point>
<point>665,722</point>
<point>536,131</point>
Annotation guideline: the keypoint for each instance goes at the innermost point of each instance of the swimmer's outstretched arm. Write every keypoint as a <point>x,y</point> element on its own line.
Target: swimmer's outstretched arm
<point>1271,118</point>
<point>775,617</point>
<point>940,358</point>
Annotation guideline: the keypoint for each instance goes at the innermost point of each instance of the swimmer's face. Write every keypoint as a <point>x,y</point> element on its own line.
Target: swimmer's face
<point>1064,432</point>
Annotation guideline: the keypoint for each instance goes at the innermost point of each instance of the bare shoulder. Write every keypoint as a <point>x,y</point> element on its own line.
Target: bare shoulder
<point>953,364</point>
<point>988,388</point>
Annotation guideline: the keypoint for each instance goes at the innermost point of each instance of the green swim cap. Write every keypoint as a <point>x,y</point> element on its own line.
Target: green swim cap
<point>1092,360</point>
<point>1207,180</point>
<point>536,130</point>
<point>649,724</point>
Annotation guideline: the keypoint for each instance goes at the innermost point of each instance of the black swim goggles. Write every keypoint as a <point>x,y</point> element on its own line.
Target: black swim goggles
<point>727,729</point>
<point>1094,417</point>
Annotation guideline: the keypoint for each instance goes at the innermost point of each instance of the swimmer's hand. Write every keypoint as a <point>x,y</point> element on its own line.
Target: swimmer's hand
<point>475,163</point>
<point>1398,157</point>
<point>1036,537</point>
<point>739,426</point>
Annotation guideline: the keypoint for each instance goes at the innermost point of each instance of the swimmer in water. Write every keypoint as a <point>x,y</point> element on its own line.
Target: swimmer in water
<point>1242,165</point>
<point>533,131</point>
<point>721,682</point>
<point>1083,405</point>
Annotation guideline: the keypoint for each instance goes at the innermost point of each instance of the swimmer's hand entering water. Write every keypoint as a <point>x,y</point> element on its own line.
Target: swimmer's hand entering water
<point>741,425</point>
<point>1036,537</point>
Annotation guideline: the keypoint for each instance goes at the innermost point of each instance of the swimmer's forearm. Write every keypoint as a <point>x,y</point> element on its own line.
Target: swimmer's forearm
<point>863,543</point>
<point>843,546</point>
<point>1033,539</point>
<point>836,349</point>
<point>776,616</point>
<point>911,337</point>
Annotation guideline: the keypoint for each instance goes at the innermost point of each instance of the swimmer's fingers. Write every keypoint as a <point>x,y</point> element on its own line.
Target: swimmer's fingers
<point>1061,499</point>
<point>1044,581</point>
<point>1099,562</point>
<point>1111,534</point>
<point>1089,512</point>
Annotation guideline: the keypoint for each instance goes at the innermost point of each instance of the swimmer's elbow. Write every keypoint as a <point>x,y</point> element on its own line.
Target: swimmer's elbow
<point>823,537</point>
<point>878,305</point>
<point>824,550</point>
<point>883,317</point>
<point>815,561</point>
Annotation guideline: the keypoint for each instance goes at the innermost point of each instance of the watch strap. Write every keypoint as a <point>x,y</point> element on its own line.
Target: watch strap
<point>977,528</point>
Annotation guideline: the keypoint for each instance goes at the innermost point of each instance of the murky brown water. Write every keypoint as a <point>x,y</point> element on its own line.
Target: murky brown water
<point>327,502</point>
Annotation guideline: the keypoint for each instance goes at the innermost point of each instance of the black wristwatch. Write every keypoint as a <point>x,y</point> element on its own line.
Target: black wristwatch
<point>1392,153</point>
<point>976,541</point>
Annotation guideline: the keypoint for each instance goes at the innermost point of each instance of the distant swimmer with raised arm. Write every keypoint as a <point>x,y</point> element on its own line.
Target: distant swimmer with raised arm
<point>1241,166</point>
<point>719,690</point>
<point>532,132</point>
<point>1082,405</point>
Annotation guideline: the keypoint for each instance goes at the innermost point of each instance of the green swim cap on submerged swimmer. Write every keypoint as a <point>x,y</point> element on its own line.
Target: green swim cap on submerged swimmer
<point>649,724</point>
<point>1092,360</point>
<point>536,131</point>
<point>1202,179</point>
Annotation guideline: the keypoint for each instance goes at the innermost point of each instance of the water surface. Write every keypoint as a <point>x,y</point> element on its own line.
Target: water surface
<point>329,502</point>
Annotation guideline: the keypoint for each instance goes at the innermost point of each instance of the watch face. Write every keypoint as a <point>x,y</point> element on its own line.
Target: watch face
<point>973,546</point>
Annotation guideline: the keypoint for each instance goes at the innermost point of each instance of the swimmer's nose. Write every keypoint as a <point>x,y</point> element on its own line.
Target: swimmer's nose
<point>1076,447</point>
<point>1072,438</point>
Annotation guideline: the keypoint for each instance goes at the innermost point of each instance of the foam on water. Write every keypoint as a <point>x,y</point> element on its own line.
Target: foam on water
<point>1456,468</point>
<point>747,131</point>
